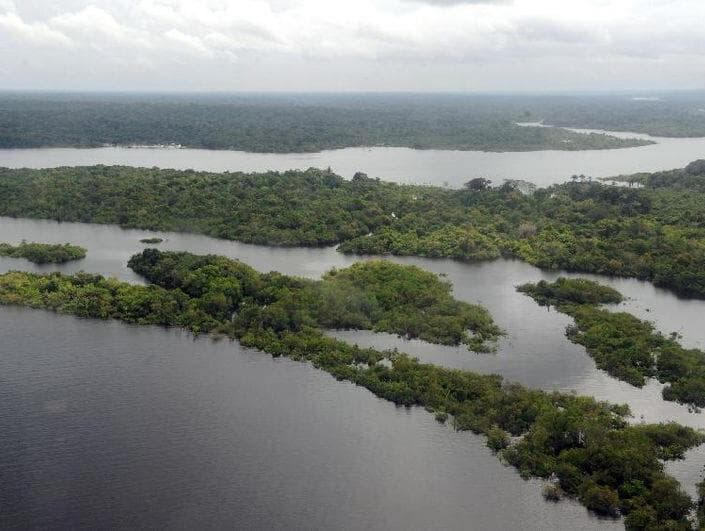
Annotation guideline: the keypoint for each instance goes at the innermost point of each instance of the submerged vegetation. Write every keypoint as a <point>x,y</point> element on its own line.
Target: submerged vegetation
<point>43,253</point>
<point>626,347</point>
<point>586,446</point>
<point>649,233</point>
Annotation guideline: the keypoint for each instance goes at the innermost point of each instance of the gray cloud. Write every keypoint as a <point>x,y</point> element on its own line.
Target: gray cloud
<point>368,44</point>
<point>458,2</point>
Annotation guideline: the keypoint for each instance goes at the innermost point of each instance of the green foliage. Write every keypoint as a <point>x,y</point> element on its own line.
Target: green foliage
<point>600,499</point>
<point>43,253</point>
<point>630,349</point>
<point>597,457</point>
<point>571,290</point>
<point>441,416</point>
<point>701,503</point>
<point>411,302</point>
<point>621,344</point>
<point>671,114</point>
<point>655,234</point>
<point>378,295</point>
<point>463,243</point>
<point>93,296</point>
<point>497,439</point>
<point>292,208</point>
<point>282,124</point>
<point>691,178</point>
<point>552,493</point>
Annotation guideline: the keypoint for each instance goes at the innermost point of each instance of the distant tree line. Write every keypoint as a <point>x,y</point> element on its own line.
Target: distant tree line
<point>278,124</point>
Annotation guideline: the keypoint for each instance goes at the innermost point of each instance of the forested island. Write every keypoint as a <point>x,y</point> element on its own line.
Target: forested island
<point>626,347</point>
<point>585,448</point>
<point>287,123</point>
<point>43,253</point>
<point>652,233</point>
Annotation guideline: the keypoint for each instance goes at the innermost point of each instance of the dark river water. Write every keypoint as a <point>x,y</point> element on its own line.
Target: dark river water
<point>404,165</point>
<point>110,425</point>
<point>106,425</point>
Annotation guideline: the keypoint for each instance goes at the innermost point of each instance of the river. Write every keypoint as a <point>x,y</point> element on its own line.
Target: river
<point>404,165</point>
<point>108,425</point>
<point>204,431</point>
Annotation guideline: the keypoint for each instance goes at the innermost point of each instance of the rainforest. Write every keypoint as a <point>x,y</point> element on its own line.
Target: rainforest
<point>43,253</point>
<point>626,347</point>
<point>292,123</point>
<point>390,265</point>
<point>655,233</point>
<point>584,447</point>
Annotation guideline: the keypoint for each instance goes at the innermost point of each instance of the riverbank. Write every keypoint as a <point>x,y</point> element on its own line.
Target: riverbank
<point>477,403</point>
<point>402,165</point>
<point>583,226</point>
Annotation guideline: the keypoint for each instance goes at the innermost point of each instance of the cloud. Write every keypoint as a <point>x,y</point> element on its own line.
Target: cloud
<point>381,29</point>
<point>470,34</point>
<point>37,34</point>
<point>188,42</point>
<point>93,23</point>
<point>457,2</point>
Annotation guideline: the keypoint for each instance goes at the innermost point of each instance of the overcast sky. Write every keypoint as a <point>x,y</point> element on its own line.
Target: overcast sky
<point>331,45</point>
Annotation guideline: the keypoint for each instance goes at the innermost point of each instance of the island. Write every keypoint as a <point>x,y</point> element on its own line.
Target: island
<point>584,449</point>
<point>654,232</point>
<point>153,240</point>
<point>43,253</point>
<point>628,348</point>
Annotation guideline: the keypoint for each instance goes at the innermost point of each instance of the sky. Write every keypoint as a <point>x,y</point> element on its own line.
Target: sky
<point>352,45</point>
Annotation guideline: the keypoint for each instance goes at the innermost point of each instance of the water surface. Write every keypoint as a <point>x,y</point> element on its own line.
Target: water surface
<point>106,425</point>
<point>211,378</point>
<point>404,165</point>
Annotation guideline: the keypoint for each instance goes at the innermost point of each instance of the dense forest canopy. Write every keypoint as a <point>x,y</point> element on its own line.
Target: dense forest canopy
<point>376,295</point>
<point>668,114</point>
<point>626,347</point>
<point>571,291</point>
<point>691,178</point>
<point>43,253</point>
<point>207,291</point>
<point>288,123</point>
<point>649,233</point>
<point>586,448</point>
